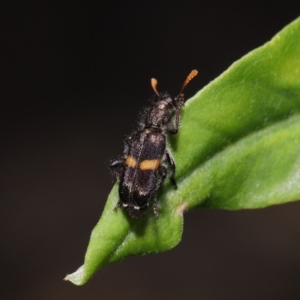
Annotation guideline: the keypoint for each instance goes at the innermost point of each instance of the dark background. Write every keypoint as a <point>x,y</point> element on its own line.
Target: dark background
<point>74,76</point>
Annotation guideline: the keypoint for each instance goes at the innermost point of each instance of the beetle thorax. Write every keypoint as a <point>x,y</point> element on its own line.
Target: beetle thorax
<point>161,114</point>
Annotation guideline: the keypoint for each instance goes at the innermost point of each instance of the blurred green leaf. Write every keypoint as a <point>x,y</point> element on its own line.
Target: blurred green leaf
<point>238,147</point>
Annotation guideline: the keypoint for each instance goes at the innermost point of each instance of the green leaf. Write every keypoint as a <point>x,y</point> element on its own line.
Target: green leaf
<point>238,147</point>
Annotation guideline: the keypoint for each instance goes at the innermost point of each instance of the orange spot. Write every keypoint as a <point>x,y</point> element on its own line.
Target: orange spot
<point>150,164</point>
<point>130,161</point>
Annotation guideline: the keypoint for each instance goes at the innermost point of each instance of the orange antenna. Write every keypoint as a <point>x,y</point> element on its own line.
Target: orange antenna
<point>188,79</point>
<point>154,84</point>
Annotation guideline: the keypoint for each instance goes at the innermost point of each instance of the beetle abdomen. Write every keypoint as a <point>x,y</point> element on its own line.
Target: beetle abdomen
<point>141,167</point>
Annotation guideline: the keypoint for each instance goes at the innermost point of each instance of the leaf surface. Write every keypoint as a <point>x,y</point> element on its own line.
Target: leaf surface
<point>238,147</point>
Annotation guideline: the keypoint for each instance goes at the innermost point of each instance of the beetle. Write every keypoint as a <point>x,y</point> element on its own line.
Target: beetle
<point>146,161</point>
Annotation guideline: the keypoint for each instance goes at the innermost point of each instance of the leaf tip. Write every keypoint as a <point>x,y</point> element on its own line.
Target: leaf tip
<point>76,277</point>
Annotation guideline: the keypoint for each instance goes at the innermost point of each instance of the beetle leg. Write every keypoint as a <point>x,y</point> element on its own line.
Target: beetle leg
<point>173,127</point>
<point>116,164</point>
<point>117,206</point>
<point>162,172</point>
<point>172,165</point>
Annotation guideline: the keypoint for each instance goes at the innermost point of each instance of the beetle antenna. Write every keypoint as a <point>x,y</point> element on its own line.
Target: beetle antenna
<point>188,79</point>
<point>154,84</point>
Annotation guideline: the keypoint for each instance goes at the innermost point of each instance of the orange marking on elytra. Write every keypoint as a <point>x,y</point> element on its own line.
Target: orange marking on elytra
<point>150,164</point>
<point>130,161</point>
